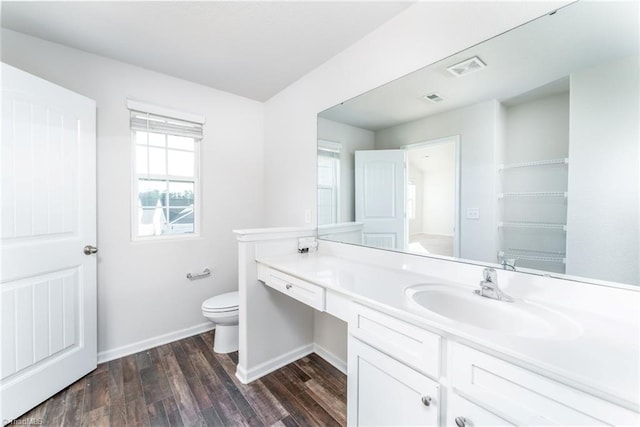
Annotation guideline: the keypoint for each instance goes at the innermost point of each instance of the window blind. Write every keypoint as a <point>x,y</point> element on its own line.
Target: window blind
<point>329,149</point>
<point>147,122</point>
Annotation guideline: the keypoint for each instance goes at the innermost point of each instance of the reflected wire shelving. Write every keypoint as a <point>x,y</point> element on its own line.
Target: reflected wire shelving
<point>546,162</point>
<point>562,194</point>
<point>538,225</point>
<point>529,255</point>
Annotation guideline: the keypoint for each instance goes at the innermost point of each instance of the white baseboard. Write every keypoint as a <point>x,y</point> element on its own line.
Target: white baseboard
<point>331,358</point>
<point>276,363</point>
<point>125,350</point>
<point>244,376</point>
<point>247,376</point>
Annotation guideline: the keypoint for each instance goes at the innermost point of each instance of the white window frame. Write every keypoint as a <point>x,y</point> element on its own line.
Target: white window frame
<point>135,176</point>
<point>334,147</point>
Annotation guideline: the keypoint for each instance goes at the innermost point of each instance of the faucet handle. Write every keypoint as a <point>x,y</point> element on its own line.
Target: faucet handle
<point>490,275</point>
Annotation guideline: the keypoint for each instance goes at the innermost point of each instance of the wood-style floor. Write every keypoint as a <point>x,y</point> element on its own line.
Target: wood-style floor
<point>186,383</point>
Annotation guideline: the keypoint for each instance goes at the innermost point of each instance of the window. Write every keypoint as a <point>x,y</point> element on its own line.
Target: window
<point>166,151</point>
<point>328,182</point>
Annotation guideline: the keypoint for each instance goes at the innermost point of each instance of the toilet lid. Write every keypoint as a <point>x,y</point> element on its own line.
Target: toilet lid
<point>228,301</point>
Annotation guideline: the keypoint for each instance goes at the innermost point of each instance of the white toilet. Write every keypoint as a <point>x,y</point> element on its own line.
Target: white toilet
<point>223,311</point>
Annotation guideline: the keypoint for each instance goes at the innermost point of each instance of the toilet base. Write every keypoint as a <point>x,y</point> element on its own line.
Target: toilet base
<point>225,339</point>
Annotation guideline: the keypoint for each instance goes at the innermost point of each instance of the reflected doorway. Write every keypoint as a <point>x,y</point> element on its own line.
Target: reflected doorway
<point>433,182</point>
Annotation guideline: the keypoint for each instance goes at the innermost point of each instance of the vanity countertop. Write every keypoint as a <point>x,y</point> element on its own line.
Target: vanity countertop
<point>602,358</point>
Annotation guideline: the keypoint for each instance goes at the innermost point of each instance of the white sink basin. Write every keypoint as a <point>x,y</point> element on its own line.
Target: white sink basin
<point>517,318</point>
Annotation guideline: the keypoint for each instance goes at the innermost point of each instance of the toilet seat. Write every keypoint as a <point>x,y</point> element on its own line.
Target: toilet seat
<point>221,303</point>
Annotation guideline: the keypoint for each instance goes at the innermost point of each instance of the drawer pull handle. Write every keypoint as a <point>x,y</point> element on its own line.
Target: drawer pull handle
<point>426,400</point>
<point>461,421</point>
<point>288,286</point>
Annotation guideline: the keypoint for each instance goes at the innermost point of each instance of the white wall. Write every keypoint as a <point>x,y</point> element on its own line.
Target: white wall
<point>424,33</point>
<point>538,129</point>
<point>604,209</point>
<point>477,127</point>
<point>416,177</point>
<point>142,289</point>
<point>439,191</point>
<point>352,139</point>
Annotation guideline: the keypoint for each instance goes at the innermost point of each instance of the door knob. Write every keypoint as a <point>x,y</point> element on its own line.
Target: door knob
<point>426,400</point>
<point>88,250</point>
<point>461,421</point>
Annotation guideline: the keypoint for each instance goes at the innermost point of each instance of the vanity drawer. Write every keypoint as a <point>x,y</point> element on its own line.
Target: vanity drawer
<point>405,342</point>
<point>308,293</point>
<point>461,411</point>
<point>525,397</point>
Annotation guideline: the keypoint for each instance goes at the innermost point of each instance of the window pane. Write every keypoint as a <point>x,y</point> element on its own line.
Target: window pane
<point>141,159</point>
<point>180,194</point>
<point>326,206</point>
<point>152,193</point>
<point>181,142</point>
<point>151,221</point>
<point>157,139</point>
<point>141,138</point>
<point>326,171</point>
<point>180,220</point>
<point>157,161</point>
<point>181,163</point>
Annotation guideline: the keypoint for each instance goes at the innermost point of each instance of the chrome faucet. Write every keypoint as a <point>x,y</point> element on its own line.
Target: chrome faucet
<point>509,263</point>
<point>489,286</point>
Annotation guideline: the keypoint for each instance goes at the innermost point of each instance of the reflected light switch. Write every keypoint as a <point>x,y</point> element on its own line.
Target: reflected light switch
<point>473,213</point>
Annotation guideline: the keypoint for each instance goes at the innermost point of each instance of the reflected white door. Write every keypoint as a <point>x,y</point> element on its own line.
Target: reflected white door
<point>47,283</point>
<point>380,190</point>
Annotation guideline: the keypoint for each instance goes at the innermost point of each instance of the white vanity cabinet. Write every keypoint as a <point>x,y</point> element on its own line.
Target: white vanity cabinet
<point>394,369</point>
<point>400,373</point>
<point>390,362</point>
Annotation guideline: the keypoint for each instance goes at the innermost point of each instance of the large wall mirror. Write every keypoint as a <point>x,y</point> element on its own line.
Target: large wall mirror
<point>521,152</point>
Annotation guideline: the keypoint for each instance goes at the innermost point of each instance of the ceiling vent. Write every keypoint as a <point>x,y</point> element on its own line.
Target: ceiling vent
<point>467,66</point>
<point>433,97</point>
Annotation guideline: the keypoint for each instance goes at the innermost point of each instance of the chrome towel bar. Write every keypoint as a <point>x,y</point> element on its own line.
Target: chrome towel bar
<point>206,272</point>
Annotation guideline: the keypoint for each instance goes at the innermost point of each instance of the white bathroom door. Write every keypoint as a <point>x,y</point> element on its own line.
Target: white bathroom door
<point>48,216</point>
<point>380,193</point>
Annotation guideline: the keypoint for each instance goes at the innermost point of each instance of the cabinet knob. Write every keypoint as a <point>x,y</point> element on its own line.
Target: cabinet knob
<point>288,286</point>
<point>461,421</point>
<point>426,400</point>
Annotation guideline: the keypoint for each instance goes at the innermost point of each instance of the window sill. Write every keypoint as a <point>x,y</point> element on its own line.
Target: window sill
<point>166,238</point>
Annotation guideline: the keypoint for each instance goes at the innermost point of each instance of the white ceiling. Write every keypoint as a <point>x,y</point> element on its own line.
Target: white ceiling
<point>433,155</point>
<point>539,55</point>
<point>249,48</point>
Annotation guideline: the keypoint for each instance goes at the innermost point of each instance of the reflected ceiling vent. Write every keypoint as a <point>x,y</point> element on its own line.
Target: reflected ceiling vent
<point>467,66</point>
<point>433,97</point>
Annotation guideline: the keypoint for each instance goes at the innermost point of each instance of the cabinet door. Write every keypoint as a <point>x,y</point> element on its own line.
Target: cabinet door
<point>462,413</point>
<point>383,391</point>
